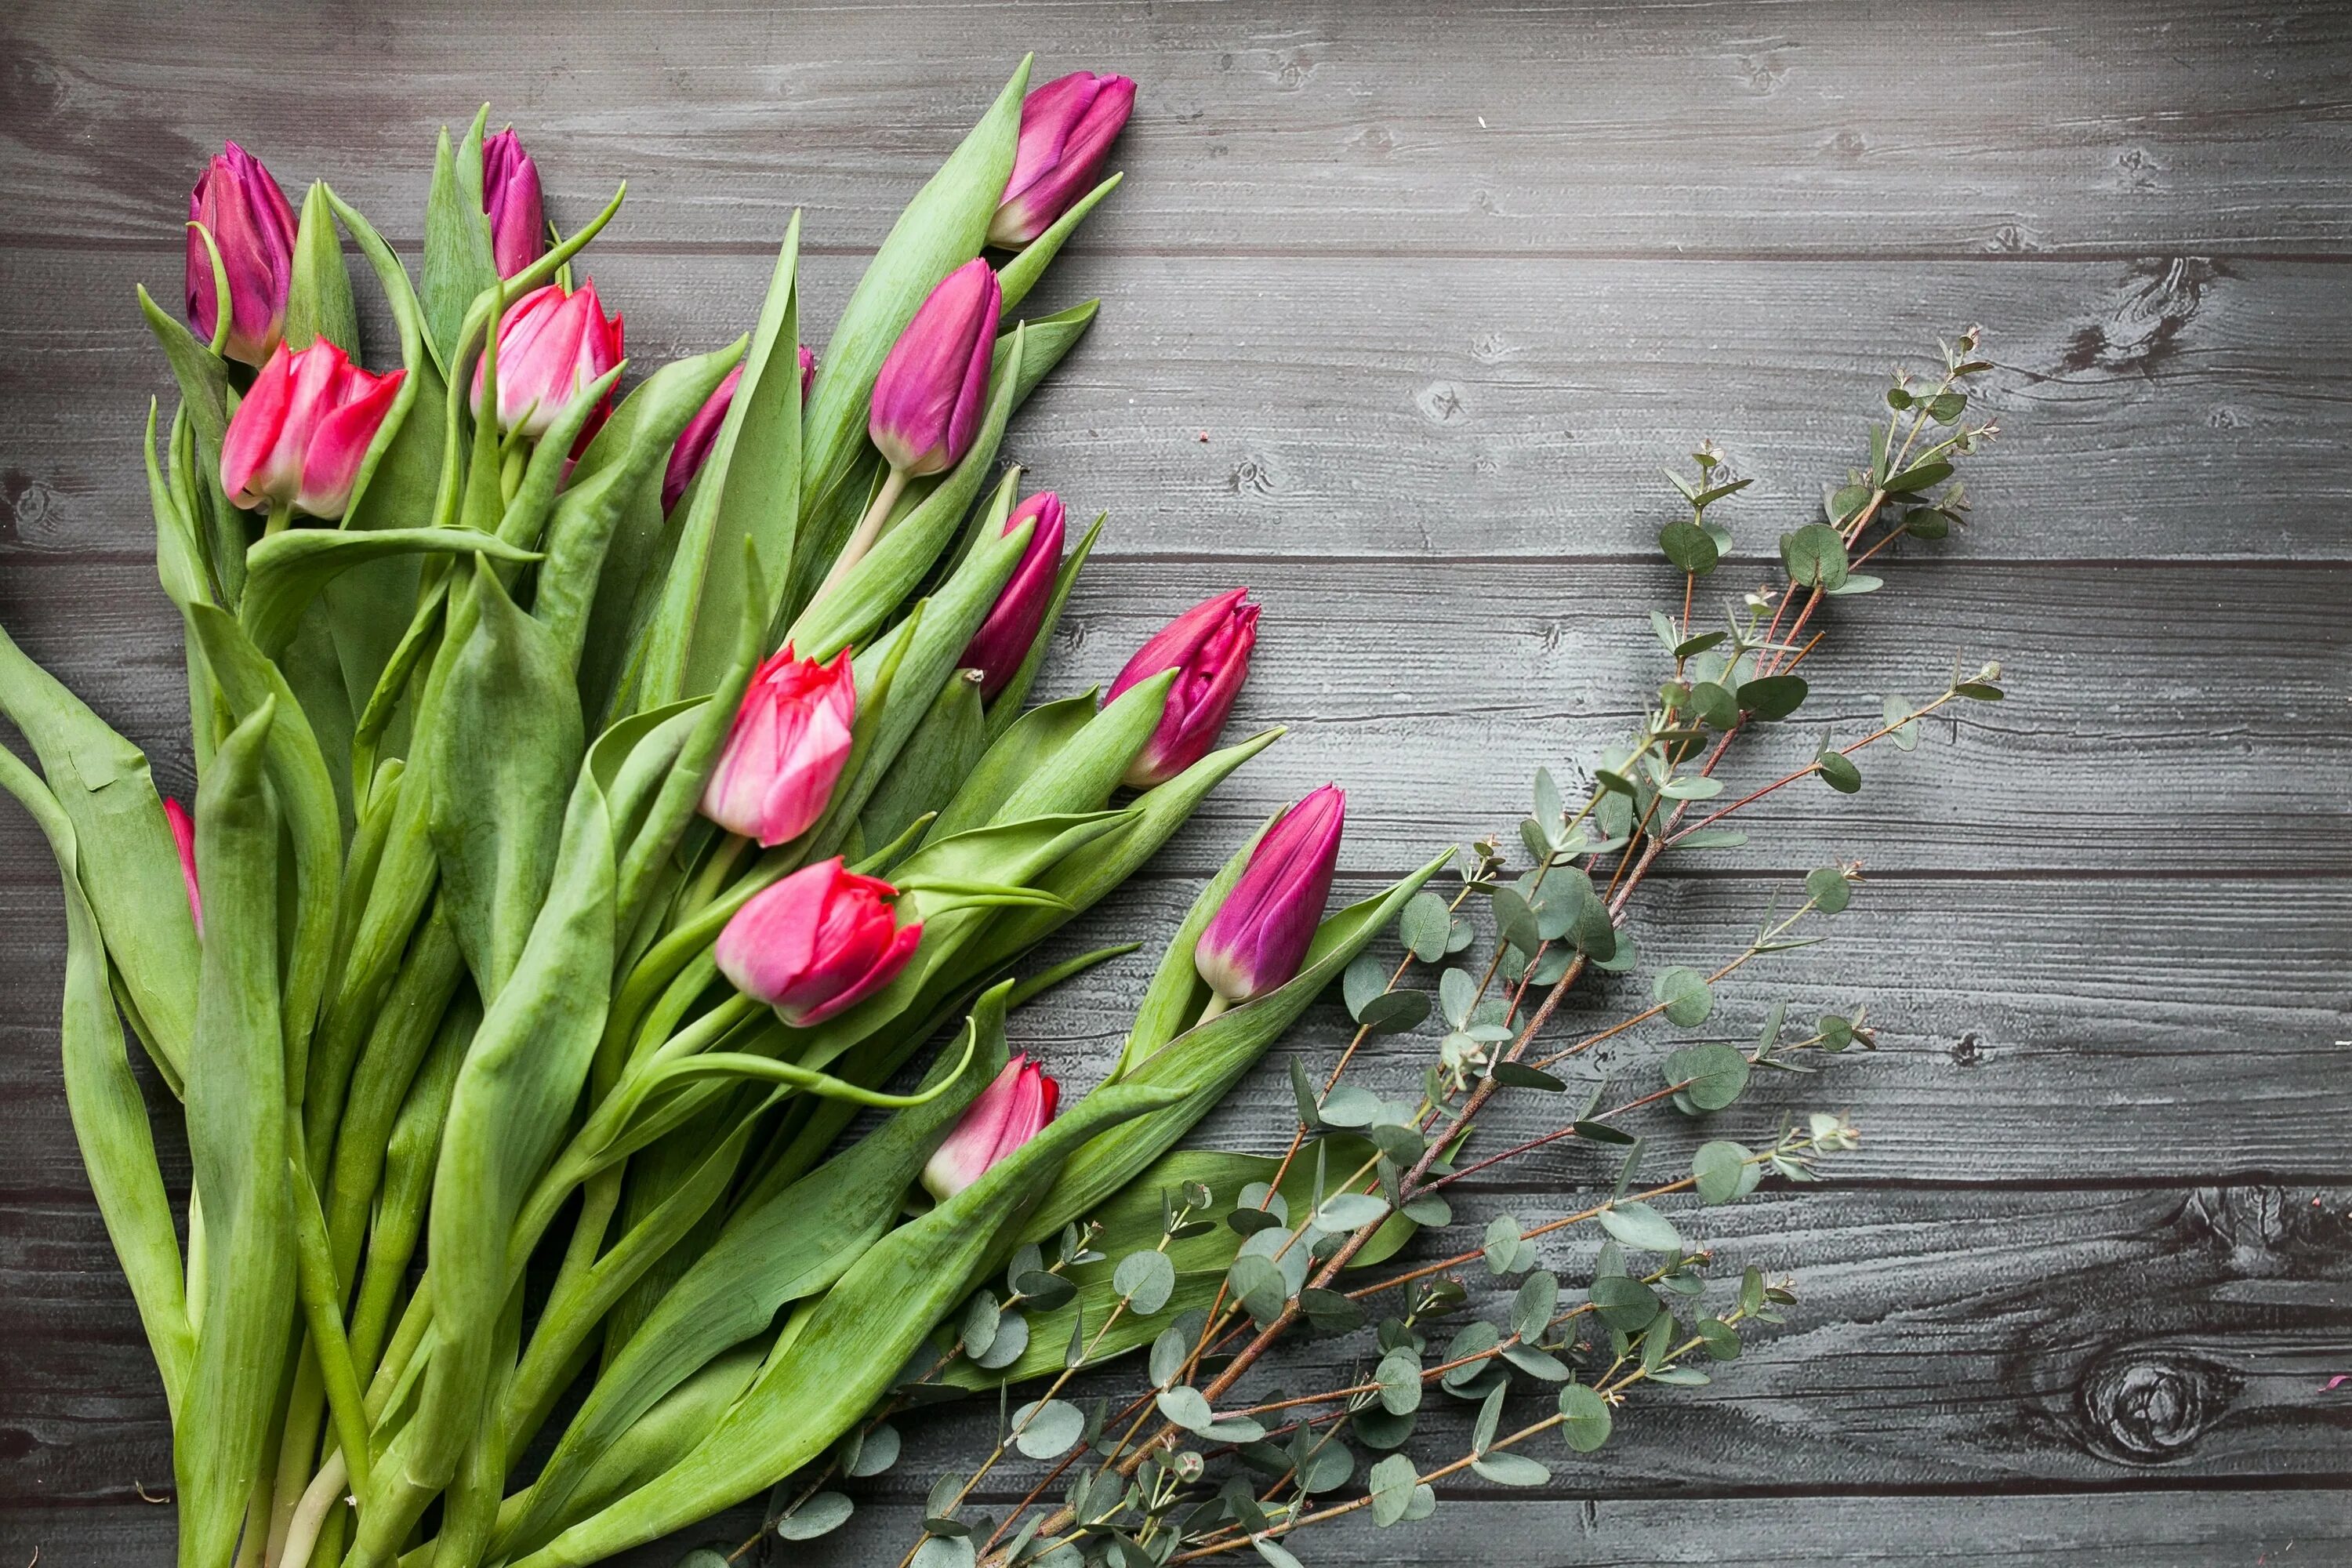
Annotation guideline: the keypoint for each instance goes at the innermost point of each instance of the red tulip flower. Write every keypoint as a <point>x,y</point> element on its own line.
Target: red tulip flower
<point>247,216</point>
<point>1066,130</point>
<point>295,442</point>
<point>790,743</point>
<point>821,940</point>
<point>1209,647</point>
<point>1009,1112</point>
<point>1259,937</point>
<point>553,347</point>
<point>1003,641</point>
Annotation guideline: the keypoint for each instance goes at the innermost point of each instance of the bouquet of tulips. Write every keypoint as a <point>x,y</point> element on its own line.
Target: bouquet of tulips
<point>603,800</point>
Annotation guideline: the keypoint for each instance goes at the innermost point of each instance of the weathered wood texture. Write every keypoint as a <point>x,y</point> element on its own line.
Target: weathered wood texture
<point>1403,306</point>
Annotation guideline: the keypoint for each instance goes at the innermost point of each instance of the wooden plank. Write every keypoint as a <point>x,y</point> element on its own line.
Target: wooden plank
<point>1434,692</point>
<point>2152,408</point>
<point>1942,1341</point>
<point>2003,129</point>
<point>2153,1528</point>
<point>2028,1033</point>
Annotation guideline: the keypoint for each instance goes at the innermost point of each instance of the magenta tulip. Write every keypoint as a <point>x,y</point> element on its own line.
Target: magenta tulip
<point>1209,647</point>
<point>1014,1108</point>
<point>553,347</point>
<point>245,212</point>
<point>1259,937</point>
<point>822,940</point>
<point>933,383</point>
<point>1066,130</point>
<point>1003,641</point>
<point>183,839</point>
<point>510,197</point>
<point>296,441</point>
<point>787,749</point>
<point>701,433</point>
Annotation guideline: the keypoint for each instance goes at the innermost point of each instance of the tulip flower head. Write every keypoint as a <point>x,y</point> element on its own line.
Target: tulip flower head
<point>1209,647</point>
<point>247,216</point>
<point>1010,1111</point>
<point>1003,641</point>
<point>1066,130</point>
<point>295,442</point>
<point>1259,937</point>
<point>553,347</point>
<point>692,448</point>
<point>934,382</point>
<point>787,749</point>
<point>183,839</point>
<point>511,197</point>
<point>821,940</point>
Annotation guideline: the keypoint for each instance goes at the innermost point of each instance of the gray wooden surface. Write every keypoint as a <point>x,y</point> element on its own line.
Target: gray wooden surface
<point>1402,309</point>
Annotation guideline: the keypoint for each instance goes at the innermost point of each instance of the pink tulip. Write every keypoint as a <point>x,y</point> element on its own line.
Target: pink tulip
<point>183,839</point>
<point>295,443</point>
<point>510,197</point>
<point>701,433</point>
<point>1209,647</point>
<point>248,216</point>
<point>1259,937</point>
<point>553,347</point>
<point>1003,641</point>
<point>822,940</point>
<point>929,395</point>
<point>1066,130</point>
<point>1010,1111</point>
<point>786,751</point>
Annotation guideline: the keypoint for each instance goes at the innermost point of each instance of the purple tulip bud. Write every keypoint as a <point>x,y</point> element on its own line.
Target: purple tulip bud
<point>1259,937</point>
<point>929,395</point>
<point>701,433</point>
<point>1010,1111</point>
<point>1209,647</point>
<point>1003,641</point>
<point>510,197</point>
<point>248,216</point>
<point>1066,130</point>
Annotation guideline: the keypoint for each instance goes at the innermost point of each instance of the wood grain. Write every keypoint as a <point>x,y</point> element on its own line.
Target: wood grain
<point>1999,129</point>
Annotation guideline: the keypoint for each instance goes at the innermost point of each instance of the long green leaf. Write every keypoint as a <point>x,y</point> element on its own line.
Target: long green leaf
<point>130,867</point>
<point>285,572</point>
<point>236,1144</point>
<point>457,260</point>
<point>109,1116</point>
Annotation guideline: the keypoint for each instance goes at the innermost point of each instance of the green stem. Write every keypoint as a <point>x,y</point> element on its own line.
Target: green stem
<point>280,515</point>
<point>868,530</point>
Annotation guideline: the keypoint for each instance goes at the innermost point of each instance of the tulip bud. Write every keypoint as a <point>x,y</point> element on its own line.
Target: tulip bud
<point>1010,1111</point>
<point>249,219</point>
<point>1209,647</point>
<point>553,347</point>
<point>183,839</point>
<point>1003,641</point>
<point>928,394</point>
<point>701,433</point>
<point>1259,937</point>
<point>512,198</point>
<point>790,743</point>
<point>296,441</point>
<point>821,940</point>
<point>1066,130</point>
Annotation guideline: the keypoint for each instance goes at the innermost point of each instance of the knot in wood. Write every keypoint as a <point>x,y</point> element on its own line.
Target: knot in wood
<point>2151,1405</point>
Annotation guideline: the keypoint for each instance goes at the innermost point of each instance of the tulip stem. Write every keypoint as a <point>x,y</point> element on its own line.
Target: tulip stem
<point>869,530</point>
<point>1218,1002</point>
<point>715,872</point>
<point>280,515</point>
